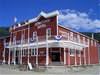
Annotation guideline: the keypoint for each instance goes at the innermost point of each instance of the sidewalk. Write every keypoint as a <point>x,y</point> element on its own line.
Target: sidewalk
<point>11,70</point>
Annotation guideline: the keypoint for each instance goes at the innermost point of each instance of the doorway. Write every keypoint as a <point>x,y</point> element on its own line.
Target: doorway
<point>55,57</point>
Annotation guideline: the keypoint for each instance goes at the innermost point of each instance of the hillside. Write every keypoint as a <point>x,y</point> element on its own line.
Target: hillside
<point>96,35</point>
<point>4,31</point>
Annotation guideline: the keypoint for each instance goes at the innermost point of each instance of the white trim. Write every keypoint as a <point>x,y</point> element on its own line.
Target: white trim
<point>84,56</point>
<point>57,25</point>
<point>64,56</point>
<point>47,49</point>
<point>4,52</point>
<point>75,58</point>
<point>88,51</point>
<point>9,57</point>
<point>33,54</point>
<point>80,58</point>
<point>69,57</point>
<point>60,43</point>
<point>46,15</point>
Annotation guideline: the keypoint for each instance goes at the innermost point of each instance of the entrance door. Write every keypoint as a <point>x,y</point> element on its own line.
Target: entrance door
<point>55,56</point>
<point>17,57</point>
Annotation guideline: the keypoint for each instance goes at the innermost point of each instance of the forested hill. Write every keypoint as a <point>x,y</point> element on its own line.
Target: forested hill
<point>96,35</point>
<point>4,31</point>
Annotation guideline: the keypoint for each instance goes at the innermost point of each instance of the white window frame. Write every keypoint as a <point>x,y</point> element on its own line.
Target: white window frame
<point>95,43</point>
<point>47,32</point>
<point>92,42</point>
<point>78,53</point>
<point>84,40</point>
<point>24,52</point>
<point>78,38</point>
<point>71,36</point>
<point>34,35</point>
<point>72,54</point>
<point>33,54</point>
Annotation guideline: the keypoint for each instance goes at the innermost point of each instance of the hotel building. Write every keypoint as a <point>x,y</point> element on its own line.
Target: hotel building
<point>43,41</point>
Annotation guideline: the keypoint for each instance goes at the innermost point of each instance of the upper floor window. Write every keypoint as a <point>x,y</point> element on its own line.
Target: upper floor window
<point>95,43</point>
<point>91,42</point>
<point>84,40</point>
<point>48,32</point>
<point>78,38</point>
<point>34,35</point>
<point>71,35</point>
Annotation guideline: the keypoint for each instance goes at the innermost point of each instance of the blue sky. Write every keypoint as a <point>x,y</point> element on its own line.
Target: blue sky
<point>27,9</point>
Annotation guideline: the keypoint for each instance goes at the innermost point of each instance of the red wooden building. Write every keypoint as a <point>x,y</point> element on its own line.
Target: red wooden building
<point>42,41</point>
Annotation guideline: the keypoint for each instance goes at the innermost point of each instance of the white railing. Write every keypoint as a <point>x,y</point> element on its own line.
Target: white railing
<point>43,38</point>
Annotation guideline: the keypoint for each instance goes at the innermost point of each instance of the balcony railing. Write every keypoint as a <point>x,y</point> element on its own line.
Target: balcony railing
<point>43,38</point>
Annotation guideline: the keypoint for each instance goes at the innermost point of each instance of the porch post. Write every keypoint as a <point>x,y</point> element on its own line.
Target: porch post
<point>64,56</point>
<point>47,49</point>
<point>37,52</point>
<point>47,55</point>
<point>9,57</point>
<point>89,53</point>
<point>68,56</point>
<point>80,58</point>
<point>21,47</point>
<point>21,56</point>
<point>28,42</point>
<point>88,56</point>
<point>15,56</point>
<point>84,56</point>
<point>4,52</point>
<point>75,58</point>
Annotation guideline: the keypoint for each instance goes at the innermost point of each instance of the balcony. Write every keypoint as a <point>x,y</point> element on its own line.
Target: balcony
<point>52,41</point>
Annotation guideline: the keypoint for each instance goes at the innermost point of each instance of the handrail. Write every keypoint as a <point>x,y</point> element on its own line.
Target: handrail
<point>43,38</point>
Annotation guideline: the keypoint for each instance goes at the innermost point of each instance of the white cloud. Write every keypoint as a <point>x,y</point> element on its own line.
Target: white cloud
<point>79,21</point>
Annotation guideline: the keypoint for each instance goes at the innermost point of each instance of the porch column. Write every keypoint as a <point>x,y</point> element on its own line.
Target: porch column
<point>47,49</point>
<point>28,42</point>
<point>47,56</point>
<point>21,55</point>
<point>88,56</point>
<point>75,58</point>
<point>84,56</point>
<point>68,56</point>
<point>4,53</point>
<point>9,57</point>
<point>28,56</point>
<point>64,56</point>
<point>37,52</point>
<point>14,56</point>
<point>80,58</point>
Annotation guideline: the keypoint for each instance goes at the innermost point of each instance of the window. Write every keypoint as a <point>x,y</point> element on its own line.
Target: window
<point>72,52</point>
<point>33,51</point>
<point>34,36</point>
<point>95,44</point>
<point>91,42</point>
<point>71,35</point>
<point>84,40</point>
<point>24,52</point>
<point>78,52</point>
<point>78,38</point>
<point>48,32</point>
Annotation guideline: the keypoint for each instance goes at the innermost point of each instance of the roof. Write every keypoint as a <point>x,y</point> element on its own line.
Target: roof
<point>45,15</point>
